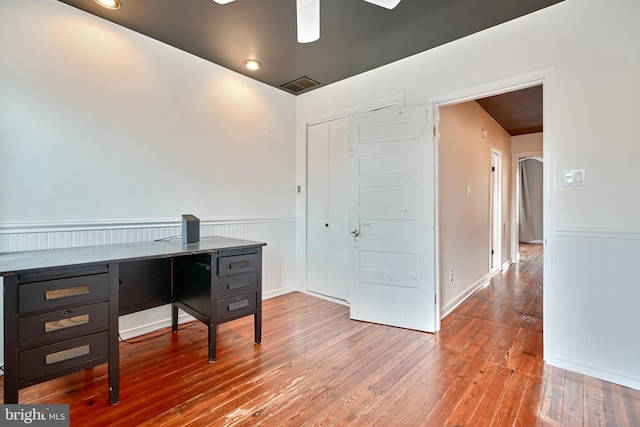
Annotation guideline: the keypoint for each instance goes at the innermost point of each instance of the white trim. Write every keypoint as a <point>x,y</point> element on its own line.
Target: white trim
<point>397,100</point>
<point>327,298</point>
<point>462,297</point>
<point>594,372</point>
<point>599,233</point>
<point>146,328</point>
<point>436,219</point>
<point>46,227</point>
<point>165,321</point>
<point>496,222</point>
<point>493,88</point>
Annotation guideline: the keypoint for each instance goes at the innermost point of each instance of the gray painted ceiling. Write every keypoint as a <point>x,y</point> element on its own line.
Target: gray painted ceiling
<point>355,36</point>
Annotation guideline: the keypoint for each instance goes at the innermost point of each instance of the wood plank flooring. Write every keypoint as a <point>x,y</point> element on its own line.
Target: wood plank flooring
<point>315,367</point>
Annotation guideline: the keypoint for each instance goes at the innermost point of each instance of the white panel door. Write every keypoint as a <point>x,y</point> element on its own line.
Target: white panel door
<point>392,217</point>
<point>339,241</point>
<point>317,199</point>
<point>328,209</point>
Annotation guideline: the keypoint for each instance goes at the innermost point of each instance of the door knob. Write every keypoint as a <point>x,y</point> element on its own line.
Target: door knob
<point>355,233</point>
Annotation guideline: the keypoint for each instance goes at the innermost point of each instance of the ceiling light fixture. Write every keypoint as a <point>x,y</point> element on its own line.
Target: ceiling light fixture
<point>389,4</point>
<point>308,20</point>
<point>109,4</point>
<point>252,64</point>
<point>308,16</point>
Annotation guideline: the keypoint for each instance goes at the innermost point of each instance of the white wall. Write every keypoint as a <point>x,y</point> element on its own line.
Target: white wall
<point>464,160</point>
<point>108,136</point>
<point>529,143</point>
<point>587,54</point>
<point>101,123</point>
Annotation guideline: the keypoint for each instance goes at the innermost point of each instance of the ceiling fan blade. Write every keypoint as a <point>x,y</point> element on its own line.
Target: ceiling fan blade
<point>308,18</point>
<point>389,4</point>
<point>223,1</point>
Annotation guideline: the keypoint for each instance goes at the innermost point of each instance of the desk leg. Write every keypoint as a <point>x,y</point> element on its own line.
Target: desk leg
<point>11,340</point>
<point>114,349</point>
<point>174,309</point>
<point>257,317</point>
<point>174,318</point>
<point>213,328</point>
<point>257,326</point>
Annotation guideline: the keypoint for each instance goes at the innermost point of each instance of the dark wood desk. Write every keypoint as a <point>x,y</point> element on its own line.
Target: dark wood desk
<point>61,306</point>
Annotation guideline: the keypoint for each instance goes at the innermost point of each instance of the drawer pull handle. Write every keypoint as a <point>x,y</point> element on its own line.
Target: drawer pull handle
<point>239,264</point>
<point>237,284</point>
<point>238,305</point>
<point>67,292</point>
<point>70,322</point>
<point>63,355</point>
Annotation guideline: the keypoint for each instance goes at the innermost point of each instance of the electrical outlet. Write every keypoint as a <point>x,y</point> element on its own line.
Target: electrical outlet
<point>451,275</point>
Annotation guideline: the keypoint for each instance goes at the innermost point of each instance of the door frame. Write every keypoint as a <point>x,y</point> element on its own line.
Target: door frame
<point>547,79</point>
<point>496,240</point>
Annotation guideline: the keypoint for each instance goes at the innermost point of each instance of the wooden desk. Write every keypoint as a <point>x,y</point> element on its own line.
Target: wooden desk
<point>61,306</point>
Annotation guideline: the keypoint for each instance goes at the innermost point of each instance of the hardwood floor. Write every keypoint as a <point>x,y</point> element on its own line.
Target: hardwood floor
<point>317,367</point>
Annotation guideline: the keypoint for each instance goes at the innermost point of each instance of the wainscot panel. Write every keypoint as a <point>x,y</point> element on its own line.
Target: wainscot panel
<point>598,288</point>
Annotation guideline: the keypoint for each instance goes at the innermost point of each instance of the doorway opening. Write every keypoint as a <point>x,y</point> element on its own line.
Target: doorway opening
<point>518,111</point>
<point>529,197</point>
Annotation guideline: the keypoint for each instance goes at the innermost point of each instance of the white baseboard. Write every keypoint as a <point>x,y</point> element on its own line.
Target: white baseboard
<point>145,328</point>
<point>446,310</point>
<point>147,321</point>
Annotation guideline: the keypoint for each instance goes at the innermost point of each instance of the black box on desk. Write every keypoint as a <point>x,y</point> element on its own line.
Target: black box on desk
<point>190,229</point>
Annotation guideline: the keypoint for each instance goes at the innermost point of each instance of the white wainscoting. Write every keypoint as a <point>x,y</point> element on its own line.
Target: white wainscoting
<point>278,265</point>
<point>597,295</point>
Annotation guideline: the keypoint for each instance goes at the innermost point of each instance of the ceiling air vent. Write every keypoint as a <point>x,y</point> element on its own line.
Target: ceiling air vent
<point>299,85</point>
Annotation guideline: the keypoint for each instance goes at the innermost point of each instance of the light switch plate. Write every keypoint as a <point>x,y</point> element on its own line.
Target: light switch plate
<point>573,177</point>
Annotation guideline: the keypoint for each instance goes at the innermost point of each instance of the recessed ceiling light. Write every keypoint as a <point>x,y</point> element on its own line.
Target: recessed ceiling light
<point>252,64</point>
<point>109,4</point>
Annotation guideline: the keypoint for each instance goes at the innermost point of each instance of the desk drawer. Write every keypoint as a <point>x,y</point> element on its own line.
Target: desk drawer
<point>238,306</point>
<point>62,324</point>
<point>238,264</point>
<point>56,357</point>
<point>232,285</point>
<point>67,292</point>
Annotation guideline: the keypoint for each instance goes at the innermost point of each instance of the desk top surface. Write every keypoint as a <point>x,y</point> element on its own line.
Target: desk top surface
<point>12,262</point>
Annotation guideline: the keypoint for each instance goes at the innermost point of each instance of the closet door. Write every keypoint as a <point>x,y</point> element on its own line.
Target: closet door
<point>317,200</point>
<point>328,237</point>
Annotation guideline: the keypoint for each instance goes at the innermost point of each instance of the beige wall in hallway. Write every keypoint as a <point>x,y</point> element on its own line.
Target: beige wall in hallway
<point>464,161</point>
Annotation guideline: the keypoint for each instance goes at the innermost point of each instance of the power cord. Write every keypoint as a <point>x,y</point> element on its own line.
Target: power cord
<point>166,239</point>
